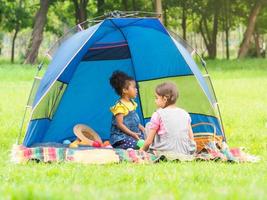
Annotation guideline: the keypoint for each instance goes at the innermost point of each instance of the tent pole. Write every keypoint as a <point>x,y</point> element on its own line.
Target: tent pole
<point>39,67</point>
<point>206,70</point>
<point>217,105</point>
<point>219,111</point>
<point>21,126</point>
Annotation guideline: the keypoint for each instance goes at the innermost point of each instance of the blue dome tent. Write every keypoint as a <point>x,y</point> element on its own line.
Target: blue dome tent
<point>75,88</point>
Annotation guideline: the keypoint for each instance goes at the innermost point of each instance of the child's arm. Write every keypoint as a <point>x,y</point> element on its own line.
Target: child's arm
<point>190,132</point>
<point>141,127</point>
<point>149,139</point>
<point>119,119</point>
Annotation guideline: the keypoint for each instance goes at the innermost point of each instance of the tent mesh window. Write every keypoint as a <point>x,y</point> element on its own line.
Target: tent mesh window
<point>48,105</point>
<point>34,89</point>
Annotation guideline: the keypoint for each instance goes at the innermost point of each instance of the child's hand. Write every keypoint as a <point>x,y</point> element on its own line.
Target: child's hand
<point>141,128</point>
<point>136,136</point>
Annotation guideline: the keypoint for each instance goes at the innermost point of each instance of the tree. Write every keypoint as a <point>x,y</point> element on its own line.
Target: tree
<point>179,15</point>
<point>1,42</point>
<point>60,17</point>
<point>186,13</point>
<point>244,47</point>
<point>134,5</point>
<point>184,5</point>
<point>80,10</point>
<point>37,33</point>
<point>261,30</point>
<point>101,7</point>
<point>233,11</point>
<point>1,34</point>
<point>125,4</point>
<point>16,17</point>
<point>158,10</point>
<point>2,6</point>
<point>226,24</point>
<point>128,5</point>
<point>209,24</point>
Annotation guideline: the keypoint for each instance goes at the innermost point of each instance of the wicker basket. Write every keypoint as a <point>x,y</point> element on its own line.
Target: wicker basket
<point>202,139</point>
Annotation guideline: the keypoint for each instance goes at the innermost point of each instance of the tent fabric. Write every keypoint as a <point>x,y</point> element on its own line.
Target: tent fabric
<point>193,66</point>
<point>63,58</point>
<point>75,88</point>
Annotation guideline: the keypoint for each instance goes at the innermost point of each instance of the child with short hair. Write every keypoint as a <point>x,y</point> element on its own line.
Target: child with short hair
<point>126,129</point>
<point>170,127</point>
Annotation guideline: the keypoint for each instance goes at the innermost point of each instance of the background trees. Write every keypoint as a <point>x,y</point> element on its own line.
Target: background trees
<point>256,6</point>
<point>37,32</point>
<point>15,17</point>
<point>208,24</point>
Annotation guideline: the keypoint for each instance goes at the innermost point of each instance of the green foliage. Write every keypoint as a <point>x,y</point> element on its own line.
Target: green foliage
<point>1,12</point>
<point>16,13</point>
<point>60,17</point>
<point>61,14</point>
<point>261,21</point>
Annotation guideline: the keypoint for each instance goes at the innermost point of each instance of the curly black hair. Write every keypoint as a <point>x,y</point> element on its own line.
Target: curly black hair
<point>119,80</point>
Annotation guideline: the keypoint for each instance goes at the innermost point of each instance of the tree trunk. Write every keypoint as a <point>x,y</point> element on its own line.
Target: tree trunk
<point>214,36</point>
<point>250,29</point>
<point>159,9</point>
<point>226,26</point>
<point>257,44</point>
<point>227,43</point>
<point>210,38</point>
<point>134,5</point>
<point>13,43</point>
<point>17,28</point>
<point>184,17</point>
<point>164,16</point>
<point>80,10</point>
<point>125,4</point>
<point>100,7</point>
<point>37,33</point>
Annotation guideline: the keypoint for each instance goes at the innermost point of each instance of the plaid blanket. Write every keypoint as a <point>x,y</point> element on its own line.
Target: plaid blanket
<point>21,154</point>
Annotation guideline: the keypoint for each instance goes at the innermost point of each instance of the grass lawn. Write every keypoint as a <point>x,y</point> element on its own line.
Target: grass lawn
<point>241,88</point>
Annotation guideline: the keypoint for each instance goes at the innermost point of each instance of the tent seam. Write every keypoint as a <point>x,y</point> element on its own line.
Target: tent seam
<point>132,63</point>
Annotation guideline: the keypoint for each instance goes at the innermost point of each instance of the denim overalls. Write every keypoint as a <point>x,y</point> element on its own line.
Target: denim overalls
<point>118,138</point>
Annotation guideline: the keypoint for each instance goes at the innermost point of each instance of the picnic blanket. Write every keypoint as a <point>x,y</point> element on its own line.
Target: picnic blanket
<point>21,154</point>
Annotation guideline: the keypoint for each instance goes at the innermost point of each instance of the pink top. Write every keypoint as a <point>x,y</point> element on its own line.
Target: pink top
<point>157,124</point>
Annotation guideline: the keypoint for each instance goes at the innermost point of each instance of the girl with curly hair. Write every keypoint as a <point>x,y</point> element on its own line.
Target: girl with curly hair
<point>126,129</point>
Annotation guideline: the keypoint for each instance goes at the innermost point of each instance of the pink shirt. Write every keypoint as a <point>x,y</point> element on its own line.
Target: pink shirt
<point>157,124</point>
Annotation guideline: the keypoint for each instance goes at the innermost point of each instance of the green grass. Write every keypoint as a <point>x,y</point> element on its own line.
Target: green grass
<point>241,88</point>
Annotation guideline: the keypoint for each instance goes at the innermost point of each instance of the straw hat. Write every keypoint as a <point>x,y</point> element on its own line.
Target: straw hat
<point>86,135</point>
